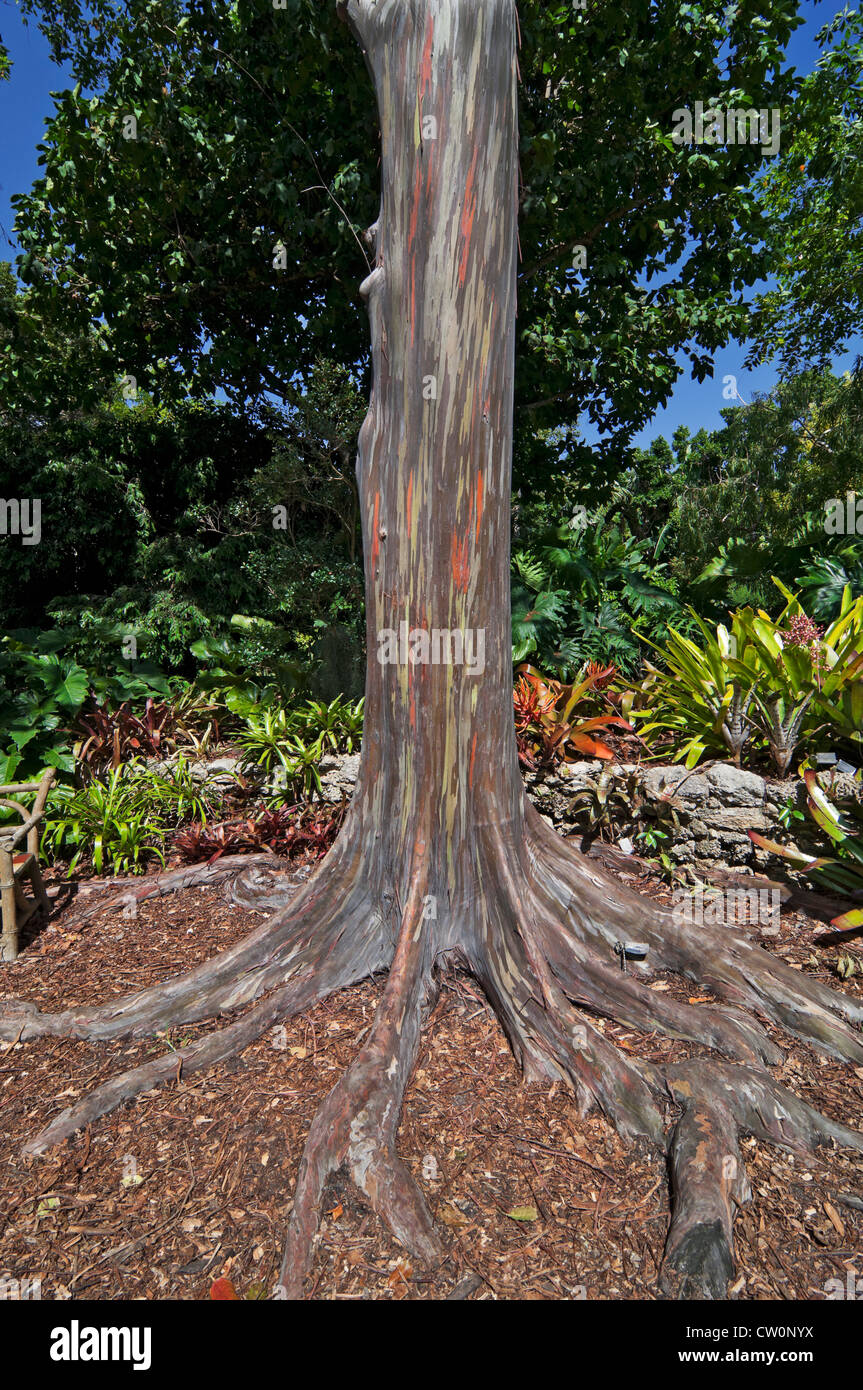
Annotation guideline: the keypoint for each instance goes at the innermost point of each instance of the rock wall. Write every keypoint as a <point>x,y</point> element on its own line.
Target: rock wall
<point>713,807</point>
<point>705,813</point>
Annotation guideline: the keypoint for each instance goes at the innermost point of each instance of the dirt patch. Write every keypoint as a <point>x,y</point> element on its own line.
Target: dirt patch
<point>194,1181</point>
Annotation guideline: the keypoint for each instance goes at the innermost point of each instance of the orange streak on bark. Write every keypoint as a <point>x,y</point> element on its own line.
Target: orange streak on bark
<point>415,205</point>
<point>425,69</point>
<point>460,563</point>
<point>467,217</point>
<point>472,756</point>
<point>375,536</point>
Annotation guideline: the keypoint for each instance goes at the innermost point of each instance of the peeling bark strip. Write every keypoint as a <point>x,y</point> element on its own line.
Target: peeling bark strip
<point>441,855</point>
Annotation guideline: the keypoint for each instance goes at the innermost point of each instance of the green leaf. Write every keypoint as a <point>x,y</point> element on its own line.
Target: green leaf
<point>523,1214</point>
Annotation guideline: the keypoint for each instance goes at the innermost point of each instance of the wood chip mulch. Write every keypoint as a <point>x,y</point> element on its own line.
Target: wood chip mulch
<point>193,1182</point>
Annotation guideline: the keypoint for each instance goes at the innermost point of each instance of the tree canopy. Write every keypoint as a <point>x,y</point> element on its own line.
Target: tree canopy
<point>208,178</point>
<point>813,200</point>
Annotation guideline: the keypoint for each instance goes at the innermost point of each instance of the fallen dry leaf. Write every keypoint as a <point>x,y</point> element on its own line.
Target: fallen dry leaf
<point>834,1218</point>
<point>400,1274</point>
<point>451,1216</point>
<point>223,1289</point>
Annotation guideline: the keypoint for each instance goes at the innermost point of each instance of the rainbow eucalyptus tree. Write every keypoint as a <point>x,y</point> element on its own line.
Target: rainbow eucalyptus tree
<point>442,858</point>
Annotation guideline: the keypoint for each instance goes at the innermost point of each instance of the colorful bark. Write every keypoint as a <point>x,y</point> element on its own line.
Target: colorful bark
<point>435,450</point>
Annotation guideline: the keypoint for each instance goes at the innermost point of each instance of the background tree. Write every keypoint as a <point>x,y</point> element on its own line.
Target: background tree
<point>813,203</point>
<point>159,521</point>
<point>752,496</point>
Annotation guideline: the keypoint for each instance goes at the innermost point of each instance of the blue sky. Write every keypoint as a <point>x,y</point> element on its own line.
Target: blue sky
<point>25,101</point>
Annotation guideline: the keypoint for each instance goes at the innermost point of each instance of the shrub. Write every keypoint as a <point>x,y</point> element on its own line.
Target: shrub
<point>299,831</point>
<point>769,682</point>
<point>580,593</point>
<point>42,691</point>
<point>552,721</point>
<point>120,822</point>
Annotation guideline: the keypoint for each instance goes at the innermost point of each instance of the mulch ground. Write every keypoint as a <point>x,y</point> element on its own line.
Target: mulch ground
<point>193,1182</point>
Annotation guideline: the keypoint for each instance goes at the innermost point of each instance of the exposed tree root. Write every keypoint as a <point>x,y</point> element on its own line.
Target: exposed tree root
<point>721,958</point>
<point>264,884</point>
<point>306,931</point>
<point>205,1052</point>
<point>543,1025</point>
<point>203,875</point>
<point>708,1181</point>
<point>708,1175</point>
<point>539,937</point>
<point>604,990</point>
<point>358,1121</point>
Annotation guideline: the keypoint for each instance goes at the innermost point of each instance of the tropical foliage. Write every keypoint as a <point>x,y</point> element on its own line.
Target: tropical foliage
<point>766,683</point>
<point>199,574</point>
<point>120,822</point>
<point>589,590</point>
<point>555,723</point>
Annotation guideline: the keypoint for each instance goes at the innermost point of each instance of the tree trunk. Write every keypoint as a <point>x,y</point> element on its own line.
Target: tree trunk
<point>441,856</point>
<point>439,758</point>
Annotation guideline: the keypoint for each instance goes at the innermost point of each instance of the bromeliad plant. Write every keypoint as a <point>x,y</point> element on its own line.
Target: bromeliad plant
<point>806,680</point>
<point>107,737</point>
<point>337,726</point>
<point>107,734</point>
<point>295,740</point>
<point>296,832</point>
<point>552,723</point>
<point>120,822</point>
<point>265,738</point>
<point>111,822</point>
<point>843,824</point>
<point>704,695</point>
<point>268,744</point>
<point>621,804</point>
<point>770,682</point>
